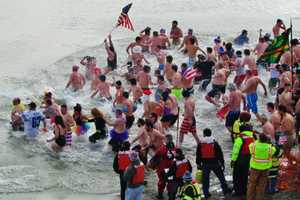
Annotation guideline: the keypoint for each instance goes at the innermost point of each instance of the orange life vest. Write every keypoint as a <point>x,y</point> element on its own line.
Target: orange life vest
<point>208,150</point>
<point>182,167</point>
<point>139,175</point>
<point>123,160</point>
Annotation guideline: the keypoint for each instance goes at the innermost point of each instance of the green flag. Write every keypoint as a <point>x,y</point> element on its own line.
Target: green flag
<point>275,50</point>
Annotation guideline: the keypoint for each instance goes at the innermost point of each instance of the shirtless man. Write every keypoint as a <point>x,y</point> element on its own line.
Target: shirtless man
<point>286,98</point>
<point>130,47</point>
<point>156,138</point>
<point>155,41</point>
<point>103,88</point>
<point>164,40</point>
<point>119,132</point>
<point>287,128</point>
<point>136,90</point>
<point>95,80</point>
<point>275,118</point>
<point>143,140</point>
<point>268,128</point>
<point>176,83</point>
<point>137,56</point>
<point>234,103</point>
<point>186,40</point>
<point>76,80</point>
<point>276,29</point>
<point>145,39</point>
<point>189,120</point>
<point>250,62</point>
<point>239,69</point>
<point>187,83</point>
<point>68,122</point>
<point>296,50</point>
<point>168,68</point>
<point>89,63</point>
<point>51,110</point>
<point>144,78</point>
<point>260,47</point>
<point>218,84</point>
<point>119,93</point>
<point>128,105</point>
<point>156,123</point>
<point>250,89</point>
<point>161,58</point>
<point>175,33</point>
<point>111,55</point>
<point>192,49</point>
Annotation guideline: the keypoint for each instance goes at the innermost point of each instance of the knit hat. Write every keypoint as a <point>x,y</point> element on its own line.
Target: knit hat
<point>187,176</point>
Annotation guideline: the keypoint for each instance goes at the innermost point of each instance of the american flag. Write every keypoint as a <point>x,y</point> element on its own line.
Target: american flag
<point>189,73</point>
<point>124,19</point>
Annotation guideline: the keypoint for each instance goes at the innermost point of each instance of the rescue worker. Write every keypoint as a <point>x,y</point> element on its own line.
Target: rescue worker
<point>134,175</point>
<point>244,118</point>
<point>177,170</point>
<point>189,190</point>
<point>240,160</point>
<point>164,158</point>
<point>209,158</point>
<point>261,161</point>
<point>121,162</point>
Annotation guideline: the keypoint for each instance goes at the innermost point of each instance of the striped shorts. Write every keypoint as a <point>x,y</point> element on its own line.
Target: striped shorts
<point>188,126</point>
<point>68,137</point>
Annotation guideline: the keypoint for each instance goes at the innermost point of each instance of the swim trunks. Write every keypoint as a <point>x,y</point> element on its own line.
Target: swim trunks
<point>252,102</point>
<point>177,93</point>
<point>216,90</point>
<point>188,126</point>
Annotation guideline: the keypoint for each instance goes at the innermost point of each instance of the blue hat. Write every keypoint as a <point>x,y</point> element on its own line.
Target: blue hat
<point>217,39</point>
<point>187,176</point>
<point>162,30</point>
<point>221,50</point>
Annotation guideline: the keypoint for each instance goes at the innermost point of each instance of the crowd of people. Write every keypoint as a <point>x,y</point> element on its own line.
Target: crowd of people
<point>159,92</point>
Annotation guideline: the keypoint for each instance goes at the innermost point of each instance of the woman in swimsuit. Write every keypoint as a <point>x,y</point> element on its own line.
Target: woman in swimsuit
<point>59,135</point>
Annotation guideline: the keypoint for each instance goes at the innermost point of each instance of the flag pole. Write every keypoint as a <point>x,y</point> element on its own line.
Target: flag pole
<point>291,50</point>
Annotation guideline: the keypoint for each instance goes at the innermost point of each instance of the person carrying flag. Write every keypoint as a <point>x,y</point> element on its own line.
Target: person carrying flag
<point>188,74</point>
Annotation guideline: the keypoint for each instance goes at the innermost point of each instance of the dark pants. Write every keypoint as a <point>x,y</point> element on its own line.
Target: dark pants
<point>176,184</point>
<point>216,168</point>
<point>162,183</point>
<point>123,185</point>
<point>129,121</point>
<point>240,175</point>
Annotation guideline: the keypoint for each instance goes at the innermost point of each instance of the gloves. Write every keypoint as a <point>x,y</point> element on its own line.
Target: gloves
<point>232,163</point>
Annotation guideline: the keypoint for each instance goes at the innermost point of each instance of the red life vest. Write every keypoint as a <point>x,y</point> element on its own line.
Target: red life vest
<point>247,140</point>
<point>208,150</point>
<point>139,175</point>
<point>182,167</point>
<point>123,160</point>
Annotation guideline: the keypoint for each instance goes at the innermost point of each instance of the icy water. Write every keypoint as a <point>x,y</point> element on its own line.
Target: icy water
<point>41,40</point>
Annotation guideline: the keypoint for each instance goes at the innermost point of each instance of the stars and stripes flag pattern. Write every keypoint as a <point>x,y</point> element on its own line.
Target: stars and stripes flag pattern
<point>124,19</point>
<point>190,73</point>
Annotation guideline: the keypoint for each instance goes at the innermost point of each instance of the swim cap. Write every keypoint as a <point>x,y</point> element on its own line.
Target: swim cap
<point>190,30</point>
<point>217,39</point>
<point>221,50</point>
<point>162,30</point>
<point>147,92</point>
<point>75,67</point>
<point>137,49</point>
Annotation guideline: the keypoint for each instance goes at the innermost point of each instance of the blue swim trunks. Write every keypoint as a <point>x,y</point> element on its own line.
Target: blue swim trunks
<point>161,67</point>
<point>252,102</point>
